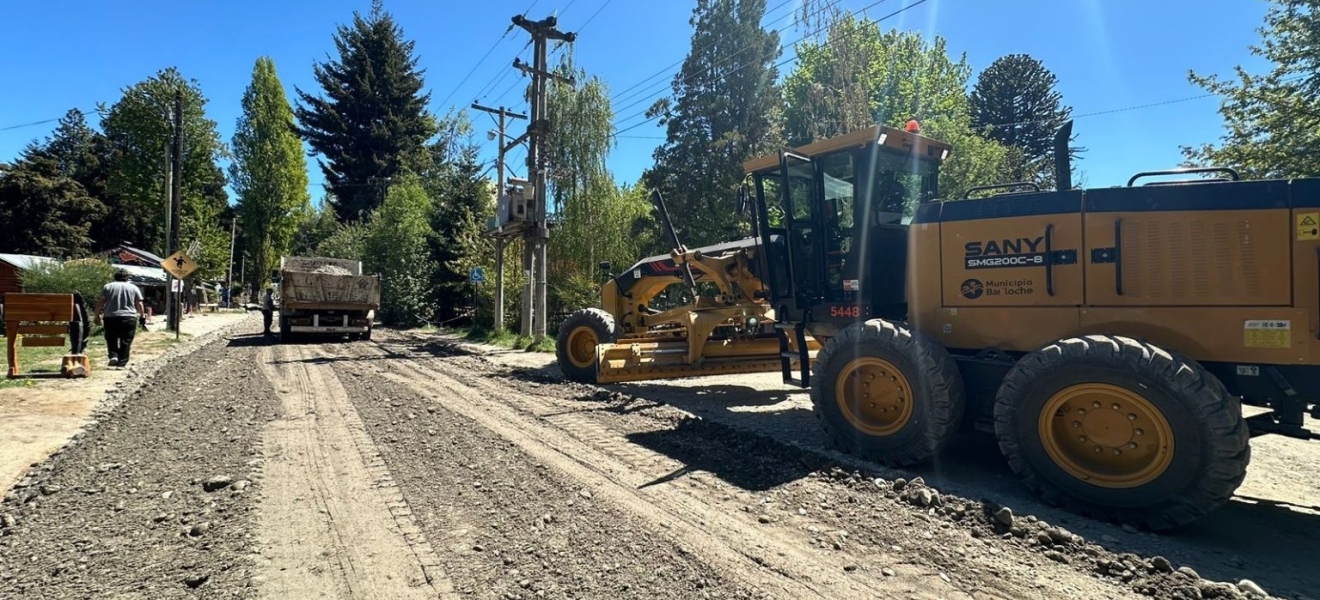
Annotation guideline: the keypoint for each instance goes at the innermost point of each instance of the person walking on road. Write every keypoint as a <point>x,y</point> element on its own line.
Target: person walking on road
<point>121,303</point>
<point>268,308</point>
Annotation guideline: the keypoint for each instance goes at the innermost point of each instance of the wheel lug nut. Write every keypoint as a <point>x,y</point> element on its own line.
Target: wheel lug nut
<point>1099,449</point>
<point>1081,438</point>
<point>1117,452</point>
<point>1081,411</point>
<point>1132,417</point>
<point>1139,432</point>
<point>1115,406</point>
<point>1095,405</point>
<point>1077,423</point>
<point>1132,445</point>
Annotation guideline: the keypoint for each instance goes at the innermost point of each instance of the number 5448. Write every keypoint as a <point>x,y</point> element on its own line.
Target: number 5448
<point>845,311</point>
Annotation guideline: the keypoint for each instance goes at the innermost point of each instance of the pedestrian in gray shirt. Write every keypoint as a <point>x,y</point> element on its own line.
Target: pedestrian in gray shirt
<point>121,302</point>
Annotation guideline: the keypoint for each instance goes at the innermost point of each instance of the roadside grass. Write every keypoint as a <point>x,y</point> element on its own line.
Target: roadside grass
<point>46,360</point>
<point>502,338</point>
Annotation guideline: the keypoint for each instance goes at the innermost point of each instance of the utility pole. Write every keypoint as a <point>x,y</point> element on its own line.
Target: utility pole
<point>176,193</point>
<point>499,191</point>
<point>537,236</point>
<point>229,280</point>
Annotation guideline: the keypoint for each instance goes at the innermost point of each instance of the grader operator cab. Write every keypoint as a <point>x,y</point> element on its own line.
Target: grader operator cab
<point>1109,338</point>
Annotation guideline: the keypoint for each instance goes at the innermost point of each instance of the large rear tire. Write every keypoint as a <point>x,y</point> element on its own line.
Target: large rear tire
<point>887,393</point>
<point>1120,429</point>
<point>575,346</point>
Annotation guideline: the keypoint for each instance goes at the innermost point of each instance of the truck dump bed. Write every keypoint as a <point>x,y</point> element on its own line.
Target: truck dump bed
<point>327,283</point>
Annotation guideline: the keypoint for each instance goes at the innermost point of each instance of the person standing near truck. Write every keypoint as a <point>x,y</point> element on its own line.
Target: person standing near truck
<point>121,303</point>
<point>268,308</point>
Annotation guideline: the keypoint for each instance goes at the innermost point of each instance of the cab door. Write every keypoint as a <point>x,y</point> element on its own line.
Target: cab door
<point>800,185</point>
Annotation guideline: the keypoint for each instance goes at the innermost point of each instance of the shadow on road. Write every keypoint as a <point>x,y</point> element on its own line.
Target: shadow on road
<point>1272,543</point>
<point>749,462</point>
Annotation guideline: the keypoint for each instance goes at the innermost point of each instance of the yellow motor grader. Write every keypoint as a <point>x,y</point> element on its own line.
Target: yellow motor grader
<point>1109,338</point>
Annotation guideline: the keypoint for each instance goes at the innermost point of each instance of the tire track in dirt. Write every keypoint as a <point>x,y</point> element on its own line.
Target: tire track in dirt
<point>628,476</point>
<point>654,444</point>
<point>332,522</point>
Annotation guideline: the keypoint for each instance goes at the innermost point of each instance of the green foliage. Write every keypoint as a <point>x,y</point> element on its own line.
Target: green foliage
<point>595,221</point>
<point>725,110</point>
<point>139,128</point>
<point>318,223</point>
<point>347,241</point>
<point>396,247</point>
<point>1272,120</point>
<point>269,172</point>
<point>82,276</point>
<point>53,198</point>
<point>897,76</point>
<point>1015,102</point>
<point>462,199</point>
<point>45,213</point>
<point>372,123</point>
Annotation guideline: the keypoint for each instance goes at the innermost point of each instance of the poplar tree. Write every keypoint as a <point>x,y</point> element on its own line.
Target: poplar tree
<point>269,172</point>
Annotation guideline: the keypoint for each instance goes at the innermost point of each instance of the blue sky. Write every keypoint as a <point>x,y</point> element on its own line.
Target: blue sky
<point>1108,55</point>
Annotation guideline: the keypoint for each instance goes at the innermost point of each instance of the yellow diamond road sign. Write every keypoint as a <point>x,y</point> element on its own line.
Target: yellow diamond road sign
<point>179,265</point>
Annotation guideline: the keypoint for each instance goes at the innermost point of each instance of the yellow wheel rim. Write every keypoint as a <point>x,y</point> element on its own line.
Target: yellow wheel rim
<point>1106,435</point>
<point>582,347</point>
<point>874,396</point>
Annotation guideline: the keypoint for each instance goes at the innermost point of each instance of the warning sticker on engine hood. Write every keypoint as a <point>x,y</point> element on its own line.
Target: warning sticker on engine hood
<point>1267,334</point>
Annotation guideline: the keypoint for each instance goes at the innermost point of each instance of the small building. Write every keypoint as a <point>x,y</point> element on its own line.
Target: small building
<point>128,255</point>
<point>12,267</point>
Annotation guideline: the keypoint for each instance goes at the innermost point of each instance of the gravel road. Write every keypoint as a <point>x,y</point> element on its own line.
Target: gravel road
<point>414,466</point>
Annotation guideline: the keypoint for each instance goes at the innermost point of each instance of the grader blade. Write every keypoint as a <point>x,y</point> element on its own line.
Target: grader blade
<point>645,359</point>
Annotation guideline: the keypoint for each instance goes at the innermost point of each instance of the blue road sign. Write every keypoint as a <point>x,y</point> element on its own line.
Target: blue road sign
<point>477,275</point>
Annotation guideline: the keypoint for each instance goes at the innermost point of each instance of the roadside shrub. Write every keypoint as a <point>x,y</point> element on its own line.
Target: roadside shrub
<point>86,276</point>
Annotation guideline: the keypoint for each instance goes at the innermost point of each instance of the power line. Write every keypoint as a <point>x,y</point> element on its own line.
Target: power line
<point>45,121</point>
<point>474,67</point>
<point>662,71</point>
<point>593,16</point>
<point>777,65</point>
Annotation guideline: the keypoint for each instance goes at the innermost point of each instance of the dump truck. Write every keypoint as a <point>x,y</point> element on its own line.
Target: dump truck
<point>328,297</point>
<point>1108,338</point>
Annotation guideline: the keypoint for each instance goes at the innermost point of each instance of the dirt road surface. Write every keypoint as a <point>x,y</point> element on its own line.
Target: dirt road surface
<point>39,415</point>
<point>415,466</point>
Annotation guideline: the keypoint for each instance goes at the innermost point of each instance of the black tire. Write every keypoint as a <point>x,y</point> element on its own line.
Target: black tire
<point>286,336</point>
<point>936,388</point>
<point>1209,435</point>
<point>593,320</point>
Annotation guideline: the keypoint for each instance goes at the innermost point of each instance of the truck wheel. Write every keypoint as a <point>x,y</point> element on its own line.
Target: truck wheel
<point>886,393</point>
<point>286,336</point>
<point>575,346</point>
<point>1121,429</point>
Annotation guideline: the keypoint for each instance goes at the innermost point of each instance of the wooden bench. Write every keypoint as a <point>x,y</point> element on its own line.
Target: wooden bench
<point>41,321</point>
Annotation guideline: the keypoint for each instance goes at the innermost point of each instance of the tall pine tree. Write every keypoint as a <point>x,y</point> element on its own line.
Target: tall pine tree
<point>372,122</point>
<point>1016,104</point>
<point>724,110</point>
<point>269,172</point>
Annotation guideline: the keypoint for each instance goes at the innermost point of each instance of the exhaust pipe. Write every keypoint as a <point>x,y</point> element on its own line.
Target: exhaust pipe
<point>1062,163</point>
